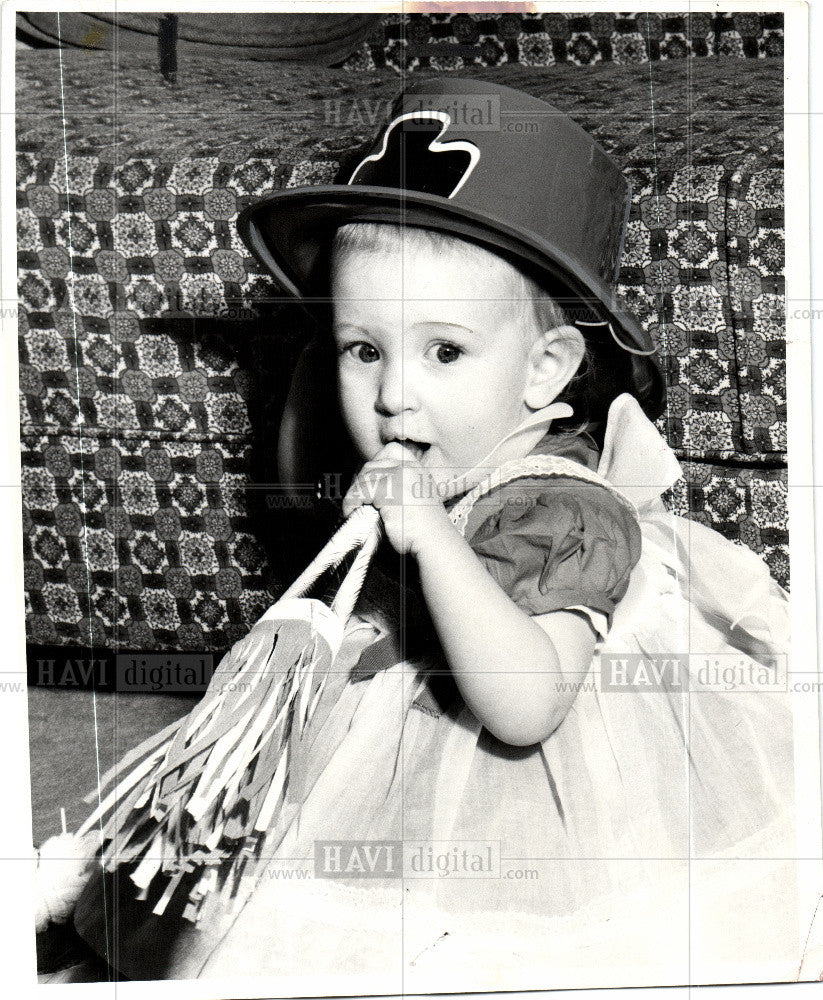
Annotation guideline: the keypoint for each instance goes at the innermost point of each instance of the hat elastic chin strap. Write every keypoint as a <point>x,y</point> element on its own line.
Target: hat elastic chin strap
<point>617,340</point>
<point>508,448</point>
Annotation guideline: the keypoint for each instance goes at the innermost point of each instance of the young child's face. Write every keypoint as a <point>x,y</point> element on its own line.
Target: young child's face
<point>433,352</point>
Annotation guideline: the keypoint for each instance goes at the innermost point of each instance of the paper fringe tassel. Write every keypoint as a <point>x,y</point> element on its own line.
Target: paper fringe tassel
<point>200,795</point>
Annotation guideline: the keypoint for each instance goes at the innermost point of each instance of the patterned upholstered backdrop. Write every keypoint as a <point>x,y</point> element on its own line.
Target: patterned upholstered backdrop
<point>444,42</point>
<point>153,362</point>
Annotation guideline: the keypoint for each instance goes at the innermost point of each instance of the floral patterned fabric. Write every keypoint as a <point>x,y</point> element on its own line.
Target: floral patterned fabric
<point>154,354</point>
<point>445,42</point>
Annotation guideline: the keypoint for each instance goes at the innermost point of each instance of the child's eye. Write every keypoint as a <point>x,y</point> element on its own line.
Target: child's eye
<point>362,351</point>
<point>447,353</point>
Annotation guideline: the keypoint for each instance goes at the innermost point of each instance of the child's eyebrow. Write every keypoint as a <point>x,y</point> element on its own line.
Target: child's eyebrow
<point>439,322</point>
<point>339,327</point>
<point>343,327</point>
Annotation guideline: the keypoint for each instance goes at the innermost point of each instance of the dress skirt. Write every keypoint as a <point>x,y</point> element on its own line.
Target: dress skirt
<point>648,841</point>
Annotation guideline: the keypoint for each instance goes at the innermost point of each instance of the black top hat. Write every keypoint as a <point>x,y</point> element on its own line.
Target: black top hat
<point>489,164</point>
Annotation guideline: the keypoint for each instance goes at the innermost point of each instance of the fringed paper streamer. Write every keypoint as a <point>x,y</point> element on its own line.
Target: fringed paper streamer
<point>199,796</point>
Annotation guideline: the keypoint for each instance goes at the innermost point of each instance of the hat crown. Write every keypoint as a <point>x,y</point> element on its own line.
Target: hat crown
<point>489,164</point>
<point>496,151</point>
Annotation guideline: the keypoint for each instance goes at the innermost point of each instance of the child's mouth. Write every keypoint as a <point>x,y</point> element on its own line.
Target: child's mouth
<point>418,448</point>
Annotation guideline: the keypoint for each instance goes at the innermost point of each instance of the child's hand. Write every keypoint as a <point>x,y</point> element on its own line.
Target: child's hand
<point>401,489</point>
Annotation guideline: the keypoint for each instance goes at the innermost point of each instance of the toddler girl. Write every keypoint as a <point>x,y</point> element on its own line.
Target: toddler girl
<point>527,736</point>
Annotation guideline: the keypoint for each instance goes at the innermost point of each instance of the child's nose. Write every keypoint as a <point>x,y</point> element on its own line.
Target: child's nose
<point>396,392</point>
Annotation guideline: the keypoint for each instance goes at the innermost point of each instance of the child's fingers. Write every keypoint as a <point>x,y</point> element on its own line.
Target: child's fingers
<point>382,480</point>
<point>351,504</point>
<point>396,452</point>
<point>378,485</point>
<point>391,456</point>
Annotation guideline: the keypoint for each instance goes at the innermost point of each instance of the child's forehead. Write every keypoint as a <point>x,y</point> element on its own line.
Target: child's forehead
<point>408,251</point>
<point>404,316</point>
<point>424,275</point>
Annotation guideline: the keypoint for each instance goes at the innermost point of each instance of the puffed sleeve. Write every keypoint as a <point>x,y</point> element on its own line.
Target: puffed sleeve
<point>559,543</point>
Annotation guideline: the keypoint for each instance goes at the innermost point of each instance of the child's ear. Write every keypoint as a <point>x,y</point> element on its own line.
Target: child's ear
<point>555,358</point>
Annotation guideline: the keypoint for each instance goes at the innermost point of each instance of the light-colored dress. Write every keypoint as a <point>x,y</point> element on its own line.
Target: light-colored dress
<point>648,840</point>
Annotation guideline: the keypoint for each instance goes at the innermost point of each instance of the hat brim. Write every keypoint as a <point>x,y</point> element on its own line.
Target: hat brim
<point>289,230</point>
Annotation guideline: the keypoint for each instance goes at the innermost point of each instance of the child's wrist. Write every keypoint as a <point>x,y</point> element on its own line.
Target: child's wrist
<point>439,531</point>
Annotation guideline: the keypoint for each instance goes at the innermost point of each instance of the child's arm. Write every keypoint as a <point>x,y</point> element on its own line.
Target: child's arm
<point>512,673</point>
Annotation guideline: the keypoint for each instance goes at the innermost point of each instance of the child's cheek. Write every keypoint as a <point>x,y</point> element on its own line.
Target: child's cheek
<point>357,410</point>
